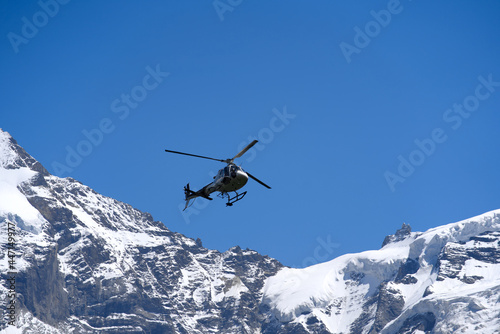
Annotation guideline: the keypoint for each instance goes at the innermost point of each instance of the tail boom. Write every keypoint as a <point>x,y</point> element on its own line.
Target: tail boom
<point>191,195</point>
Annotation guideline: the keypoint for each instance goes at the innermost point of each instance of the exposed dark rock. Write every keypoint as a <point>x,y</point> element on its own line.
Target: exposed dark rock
<point>408,279</point>
<point>198,242</point>
<point>390,303</point>
<point>428,291</point>
<point>483,248</point>
<point>410,266</point>
<point>401,234</point>
<point>423,322</point>
<point>471,279</point>
<point>42,287</point>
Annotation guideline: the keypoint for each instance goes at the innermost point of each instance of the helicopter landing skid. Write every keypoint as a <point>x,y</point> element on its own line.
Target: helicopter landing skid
<point>236,198</point>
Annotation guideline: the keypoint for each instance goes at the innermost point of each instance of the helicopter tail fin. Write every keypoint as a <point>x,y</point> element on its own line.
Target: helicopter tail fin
<point>188,192</point>
<point>191,195</point>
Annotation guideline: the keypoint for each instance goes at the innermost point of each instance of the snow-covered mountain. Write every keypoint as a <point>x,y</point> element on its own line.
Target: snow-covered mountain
<point>86,263</point>
<point>446,280</point>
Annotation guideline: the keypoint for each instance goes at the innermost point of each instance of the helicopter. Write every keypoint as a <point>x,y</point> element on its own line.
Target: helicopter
<point>229,179</point>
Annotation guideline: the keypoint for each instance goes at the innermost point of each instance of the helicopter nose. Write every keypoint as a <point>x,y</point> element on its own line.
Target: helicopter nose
<point>242,177</point>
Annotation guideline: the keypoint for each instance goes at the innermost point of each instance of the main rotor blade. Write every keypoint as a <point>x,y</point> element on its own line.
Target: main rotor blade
<point>256,179</point>
<point>243,151</point>
<point>194,155</point>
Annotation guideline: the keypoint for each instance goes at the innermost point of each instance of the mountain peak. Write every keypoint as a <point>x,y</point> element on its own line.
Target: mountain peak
<point>442,280</point>
<point>401,234</point>
<point>111,268</point>
<point>13,156</point>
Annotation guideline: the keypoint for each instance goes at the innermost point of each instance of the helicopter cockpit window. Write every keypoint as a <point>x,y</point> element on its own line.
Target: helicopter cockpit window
<point>232,170</point>
<point>226,171</point>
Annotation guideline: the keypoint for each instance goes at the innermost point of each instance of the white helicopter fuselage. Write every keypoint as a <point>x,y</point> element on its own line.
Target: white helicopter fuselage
<point>228,179</point>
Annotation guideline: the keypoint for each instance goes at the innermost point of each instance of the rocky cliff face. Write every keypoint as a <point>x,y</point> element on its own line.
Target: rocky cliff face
<point>87,263</point>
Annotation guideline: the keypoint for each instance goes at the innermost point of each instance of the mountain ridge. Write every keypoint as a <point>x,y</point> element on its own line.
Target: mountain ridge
<point>380,290</point>
<point>112,268</point>
<point>87,263</point>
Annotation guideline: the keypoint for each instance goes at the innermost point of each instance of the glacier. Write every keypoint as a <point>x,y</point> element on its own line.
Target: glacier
<point>412,271</point>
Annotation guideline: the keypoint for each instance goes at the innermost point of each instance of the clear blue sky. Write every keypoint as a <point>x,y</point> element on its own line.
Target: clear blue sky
<point>361,83</point>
